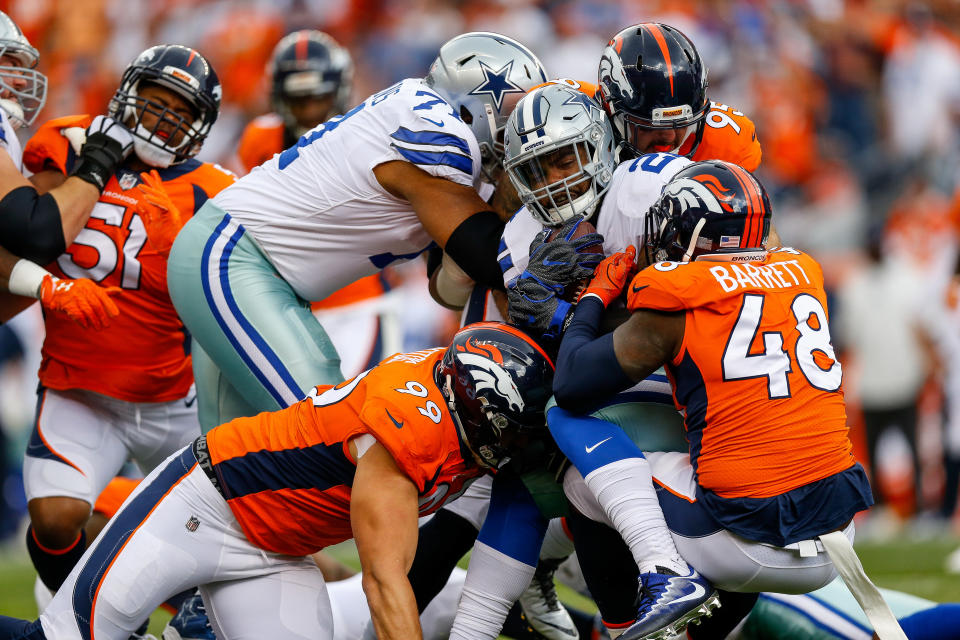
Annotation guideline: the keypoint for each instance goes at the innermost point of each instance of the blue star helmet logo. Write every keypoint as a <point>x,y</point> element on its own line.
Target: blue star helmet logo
<point>583,100</point>
<point>496,84</point>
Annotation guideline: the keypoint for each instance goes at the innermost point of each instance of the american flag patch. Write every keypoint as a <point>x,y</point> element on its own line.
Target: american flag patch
<point>729,241</point>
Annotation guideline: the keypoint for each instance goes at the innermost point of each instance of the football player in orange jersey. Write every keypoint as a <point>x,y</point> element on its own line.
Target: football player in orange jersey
<point>238,509</point>
<point>36,227</point>
<point>770,464</point>
<point>310,81</point>
<point>105,398</point>
<point>653,85</point>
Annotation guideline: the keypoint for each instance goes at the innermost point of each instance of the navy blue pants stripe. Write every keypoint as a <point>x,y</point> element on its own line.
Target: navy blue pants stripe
<point>118,532</point>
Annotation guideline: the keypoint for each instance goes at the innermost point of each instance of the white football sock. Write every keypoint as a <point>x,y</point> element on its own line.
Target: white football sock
<point>624,489</point>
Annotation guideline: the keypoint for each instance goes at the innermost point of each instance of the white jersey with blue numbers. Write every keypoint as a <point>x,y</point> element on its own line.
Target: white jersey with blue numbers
<point>635,186</point>
<point>9,140</point>
<point>317,211</point>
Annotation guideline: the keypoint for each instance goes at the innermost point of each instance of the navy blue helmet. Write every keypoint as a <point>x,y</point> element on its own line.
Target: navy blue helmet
<point>710,210</point>
<point>651,77</point>
<point>497,381</point>
<point>187,73</point>
<point>309,64</point>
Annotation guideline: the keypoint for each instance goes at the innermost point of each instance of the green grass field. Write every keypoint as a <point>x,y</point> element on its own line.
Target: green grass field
<point>916,567</point>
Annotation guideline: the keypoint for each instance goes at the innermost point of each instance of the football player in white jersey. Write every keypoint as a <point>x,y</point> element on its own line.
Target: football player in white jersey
<point>383,183</point>
<point>35,228</point>
<point>560,157</point>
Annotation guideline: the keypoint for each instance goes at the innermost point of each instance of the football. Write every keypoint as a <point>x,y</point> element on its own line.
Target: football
<point>573,291</point>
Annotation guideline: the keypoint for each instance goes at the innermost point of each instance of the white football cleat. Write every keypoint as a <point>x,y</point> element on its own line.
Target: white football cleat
<point>541,609</point>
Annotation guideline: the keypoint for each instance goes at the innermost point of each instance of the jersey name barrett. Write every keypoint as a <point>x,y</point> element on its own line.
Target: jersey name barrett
<point>756,371</point>
<point>143,356</point>
<point>318,212</point>
<point>287,475</point>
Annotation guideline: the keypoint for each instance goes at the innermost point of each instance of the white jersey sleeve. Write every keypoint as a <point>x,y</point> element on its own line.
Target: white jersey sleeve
<point>514,254</point>
<point>316,209</point>
<point>9,141</point>
<point>635,186</point>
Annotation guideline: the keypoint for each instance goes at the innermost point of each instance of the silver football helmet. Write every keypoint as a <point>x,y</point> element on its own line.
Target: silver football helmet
<point>559,153</point>
<point>483,75</point>
<point>23,89</point>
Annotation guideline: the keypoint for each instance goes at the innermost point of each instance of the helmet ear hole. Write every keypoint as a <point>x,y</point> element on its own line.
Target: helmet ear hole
<point>465,115</point>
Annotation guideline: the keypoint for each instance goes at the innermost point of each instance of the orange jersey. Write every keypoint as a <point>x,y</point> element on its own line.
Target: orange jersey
<point>261,139</point>
<point>143,355</point>
<point>727,134</point>
<point>113,495</point>
<point>756,376</point>
<point>287,474</point>
<point>730,136</point>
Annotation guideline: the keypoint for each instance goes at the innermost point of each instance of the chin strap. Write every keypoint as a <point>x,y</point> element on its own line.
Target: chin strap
<point>845,559</point>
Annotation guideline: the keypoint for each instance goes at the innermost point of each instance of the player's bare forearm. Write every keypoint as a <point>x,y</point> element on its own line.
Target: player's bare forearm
<point>647,341</point>
<point>76,198</point>
<point>10,305</point>
<point>7,260</point>
<point>383,514</point>
<point>440,204</point>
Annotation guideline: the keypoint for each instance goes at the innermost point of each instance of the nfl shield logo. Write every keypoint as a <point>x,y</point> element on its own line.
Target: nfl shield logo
<point>192,524</point>
<point>128,181</point>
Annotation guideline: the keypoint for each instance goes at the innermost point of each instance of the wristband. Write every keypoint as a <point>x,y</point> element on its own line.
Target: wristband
<point>26,278</point>
<point>454,286</point>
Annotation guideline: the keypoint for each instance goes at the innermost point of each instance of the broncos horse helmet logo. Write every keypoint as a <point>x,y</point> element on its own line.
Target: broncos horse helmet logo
<point>488,374</point>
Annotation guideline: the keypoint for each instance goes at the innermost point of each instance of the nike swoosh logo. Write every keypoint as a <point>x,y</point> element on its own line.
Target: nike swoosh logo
<point>590,449</point>
<point>439,124</point>
<point>567,631</point>
<point>698,592</point>
<point>553,263</point>
<point>637,289</point>
<point>398,425</point>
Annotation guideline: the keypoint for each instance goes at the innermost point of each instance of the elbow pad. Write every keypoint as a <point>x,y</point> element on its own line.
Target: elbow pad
<point>30,225</point>
<point>474,246</point>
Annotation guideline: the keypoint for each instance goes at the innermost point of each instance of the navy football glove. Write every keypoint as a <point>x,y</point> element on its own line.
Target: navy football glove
<point>536,306</point>
<point>564,261</point>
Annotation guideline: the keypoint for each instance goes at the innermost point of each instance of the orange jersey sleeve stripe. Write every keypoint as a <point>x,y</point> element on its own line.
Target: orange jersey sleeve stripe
<point>287,474</point>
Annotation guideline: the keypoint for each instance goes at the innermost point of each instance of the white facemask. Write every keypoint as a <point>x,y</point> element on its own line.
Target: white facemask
<point>150,153</point>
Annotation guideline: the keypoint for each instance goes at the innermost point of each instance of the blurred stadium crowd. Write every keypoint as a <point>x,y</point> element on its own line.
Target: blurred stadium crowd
<point>856,104</point>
